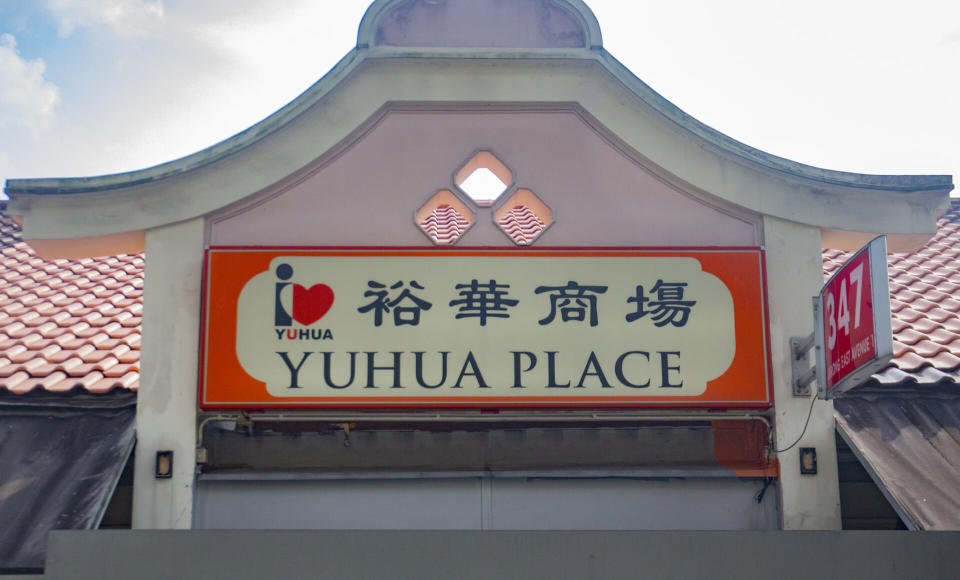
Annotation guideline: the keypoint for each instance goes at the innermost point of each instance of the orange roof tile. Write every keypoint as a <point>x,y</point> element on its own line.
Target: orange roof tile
<point>67,324</point>
<point>925,305</point>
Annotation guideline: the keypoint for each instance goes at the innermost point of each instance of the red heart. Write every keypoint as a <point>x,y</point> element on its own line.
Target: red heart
<point>309,305</point>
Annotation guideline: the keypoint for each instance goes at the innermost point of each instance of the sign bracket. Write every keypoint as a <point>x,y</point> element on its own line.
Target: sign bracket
<point>802,372</point>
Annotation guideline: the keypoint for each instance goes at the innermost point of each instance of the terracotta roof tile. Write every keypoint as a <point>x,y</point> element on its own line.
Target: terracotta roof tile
<point>925,302</point>
<point>923,305</point>
<point>67,323</point>
<point>19,382</point>
<point>130,356</point>
<point>127,381</point>
<point>90,379</point>
<point>106,363</point>
<point>71,365</point>
<point>909,314</point>
<point>910,336</point>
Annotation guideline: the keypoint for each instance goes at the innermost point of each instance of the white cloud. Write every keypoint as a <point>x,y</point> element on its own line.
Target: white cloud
<point>206,74</point>
<point>279,53</point>
<point>27,99</point>
<point>125,17</point>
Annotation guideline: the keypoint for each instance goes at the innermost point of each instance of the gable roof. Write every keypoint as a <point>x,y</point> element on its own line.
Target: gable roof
<point>67,324</point>
<point>414,55</point>
<point>925,308</point>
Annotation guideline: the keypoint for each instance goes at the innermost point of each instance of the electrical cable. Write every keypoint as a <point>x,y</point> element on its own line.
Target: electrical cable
<point>805,424</point>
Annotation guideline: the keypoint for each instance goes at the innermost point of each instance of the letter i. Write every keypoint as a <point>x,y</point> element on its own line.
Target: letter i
<point>281,316</point>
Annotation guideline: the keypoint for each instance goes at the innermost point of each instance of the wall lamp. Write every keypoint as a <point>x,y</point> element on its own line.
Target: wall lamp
<point>164,467</point>
<point>808,460</point>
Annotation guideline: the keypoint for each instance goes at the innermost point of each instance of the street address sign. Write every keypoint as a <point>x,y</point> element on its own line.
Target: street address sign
<point>852,321</point>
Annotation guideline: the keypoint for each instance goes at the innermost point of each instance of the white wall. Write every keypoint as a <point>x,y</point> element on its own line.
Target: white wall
<point>794,275</point>
<point>167,400</point>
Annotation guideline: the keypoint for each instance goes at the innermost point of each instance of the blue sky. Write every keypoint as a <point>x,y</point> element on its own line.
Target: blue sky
<point>90,87</point>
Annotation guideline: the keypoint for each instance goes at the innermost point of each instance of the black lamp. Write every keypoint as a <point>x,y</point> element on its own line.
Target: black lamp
<point>164,468</point>
<point>808,460</point>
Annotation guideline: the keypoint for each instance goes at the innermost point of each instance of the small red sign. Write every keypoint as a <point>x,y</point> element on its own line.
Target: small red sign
<point>849,336</point>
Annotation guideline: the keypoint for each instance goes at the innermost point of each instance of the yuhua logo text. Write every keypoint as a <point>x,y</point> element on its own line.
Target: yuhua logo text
<point>295,303</point>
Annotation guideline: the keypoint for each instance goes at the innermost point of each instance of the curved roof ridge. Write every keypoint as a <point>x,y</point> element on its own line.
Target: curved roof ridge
<point>189,162</point>
<point>910,182</point>
<point>285,115</point>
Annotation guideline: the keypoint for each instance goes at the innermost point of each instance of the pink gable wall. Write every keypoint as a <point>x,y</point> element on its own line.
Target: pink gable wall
<point>367,194</point>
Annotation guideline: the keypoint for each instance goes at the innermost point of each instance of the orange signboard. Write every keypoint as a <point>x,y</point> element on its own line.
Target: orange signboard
<point>492,328</point>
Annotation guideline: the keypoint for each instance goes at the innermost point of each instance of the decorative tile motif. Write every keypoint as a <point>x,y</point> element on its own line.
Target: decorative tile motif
<point>445,224</point>
<point>444,218</point>
<point>521,224</point>
<point>67,324</point>
<point>481,181</point>
<point>523,217</point>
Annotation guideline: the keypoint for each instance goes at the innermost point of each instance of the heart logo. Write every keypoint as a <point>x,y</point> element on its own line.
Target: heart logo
<point>310,304</point>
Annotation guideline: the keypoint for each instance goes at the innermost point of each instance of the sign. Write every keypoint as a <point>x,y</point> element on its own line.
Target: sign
<point>483,328</point>
<point>852,321</point>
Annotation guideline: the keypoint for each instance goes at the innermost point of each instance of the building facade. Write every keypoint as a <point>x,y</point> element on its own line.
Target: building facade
<point>479,277</point>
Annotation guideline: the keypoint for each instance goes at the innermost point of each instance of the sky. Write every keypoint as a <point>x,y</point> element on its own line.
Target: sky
<point>91,87</point>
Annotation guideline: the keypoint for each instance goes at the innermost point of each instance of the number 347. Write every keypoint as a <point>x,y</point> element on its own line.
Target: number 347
<point>840,316</point>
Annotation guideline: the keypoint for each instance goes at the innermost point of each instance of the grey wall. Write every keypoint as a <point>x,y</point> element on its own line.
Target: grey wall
<point>485,503</point>
<point>239,555</point>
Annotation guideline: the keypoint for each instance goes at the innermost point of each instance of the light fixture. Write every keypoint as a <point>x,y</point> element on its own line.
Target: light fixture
<point>808,460</point>
<point>164,468</point>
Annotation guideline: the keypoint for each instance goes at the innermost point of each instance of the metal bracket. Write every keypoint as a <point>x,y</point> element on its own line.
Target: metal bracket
<point>346,432</point>
<point>802,372</point>
<point>245,421</point>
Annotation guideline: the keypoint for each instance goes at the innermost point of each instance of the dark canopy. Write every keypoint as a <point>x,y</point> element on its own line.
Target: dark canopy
<point>60,458</point>
<point>911,447</point>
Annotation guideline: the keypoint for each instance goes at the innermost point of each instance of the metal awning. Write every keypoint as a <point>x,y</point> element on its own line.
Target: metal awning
<point>911,448</point>
<point>60,458</point>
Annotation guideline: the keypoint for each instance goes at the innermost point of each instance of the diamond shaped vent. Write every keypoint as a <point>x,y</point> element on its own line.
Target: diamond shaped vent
<point>480,183</point>
<point>483,178</point>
